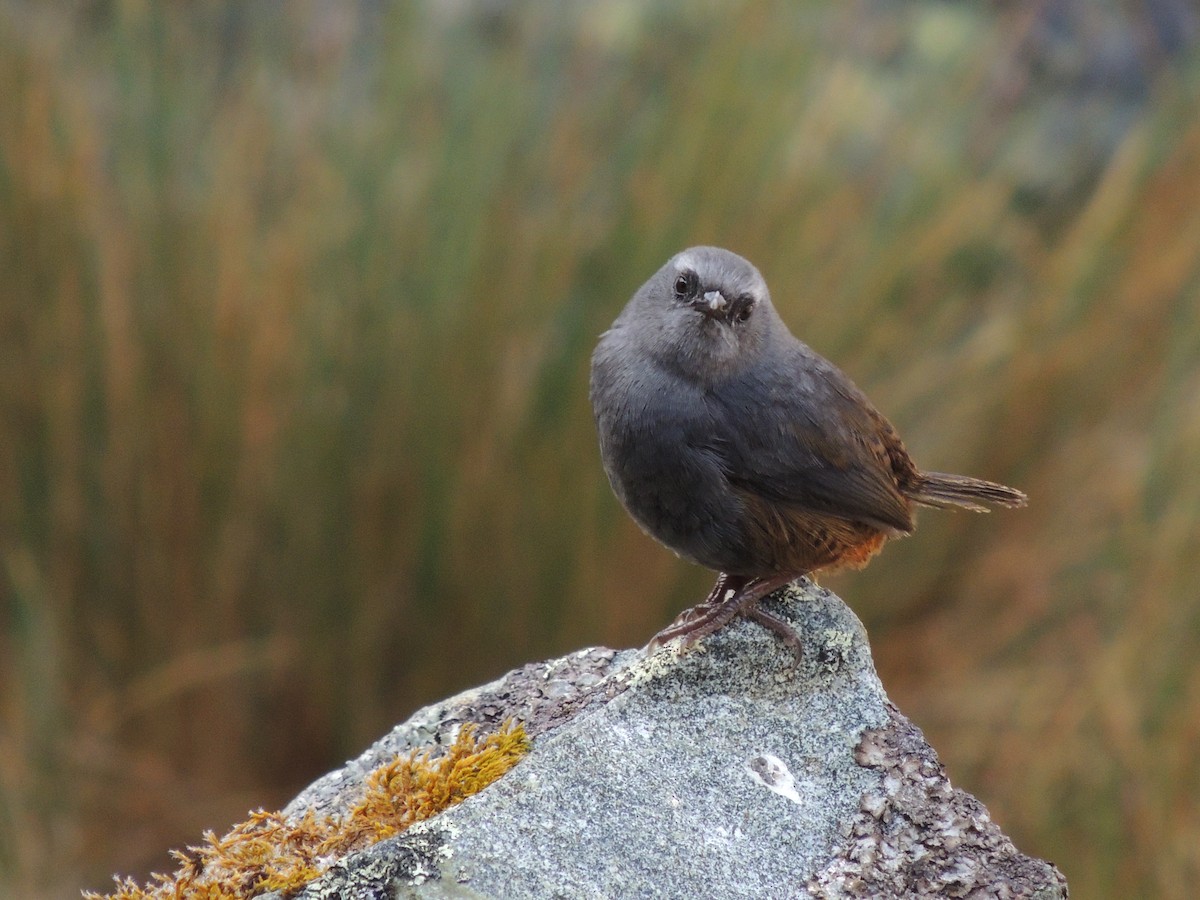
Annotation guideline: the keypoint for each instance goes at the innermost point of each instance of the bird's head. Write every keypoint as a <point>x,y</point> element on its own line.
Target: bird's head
<point>706,313</point>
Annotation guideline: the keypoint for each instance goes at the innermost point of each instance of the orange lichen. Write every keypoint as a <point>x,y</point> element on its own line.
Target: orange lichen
<point>267,852</point>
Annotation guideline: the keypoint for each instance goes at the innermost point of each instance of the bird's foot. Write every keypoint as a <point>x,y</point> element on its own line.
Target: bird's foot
<point>731,597</point>
<point>699,616</point>
<point>786,632</point>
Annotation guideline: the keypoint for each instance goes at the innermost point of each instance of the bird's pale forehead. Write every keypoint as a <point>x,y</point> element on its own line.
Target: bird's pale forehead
<point>684,261</point>
<point>733,272</point>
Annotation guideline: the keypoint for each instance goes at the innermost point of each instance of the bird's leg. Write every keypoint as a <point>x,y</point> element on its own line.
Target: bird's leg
<point>743,601</point>
<point>699,615</point>
<point>718,590</point>
<point>715,596</point>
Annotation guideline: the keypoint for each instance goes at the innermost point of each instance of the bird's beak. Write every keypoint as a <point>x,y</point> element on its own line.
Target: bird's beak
<point>712,304</point>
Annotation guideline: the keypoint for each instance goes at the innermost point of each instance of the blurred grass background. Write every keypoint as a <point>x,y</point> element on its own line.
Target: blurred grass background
<point>297,303</point>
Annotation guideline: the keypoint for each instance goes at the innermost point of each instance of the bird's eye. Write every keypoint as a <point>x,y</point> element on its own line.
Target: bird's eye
<point>683,285</point>
<point>745,307</point>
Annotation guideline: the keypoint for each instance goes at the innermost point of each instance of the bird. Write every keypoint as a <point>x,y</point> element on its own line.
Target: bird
<point>741,449</point>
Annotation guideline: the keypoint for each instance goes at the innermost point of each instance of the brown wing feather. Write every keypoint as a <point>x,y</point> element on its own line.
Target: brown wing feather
<point>818,445</point>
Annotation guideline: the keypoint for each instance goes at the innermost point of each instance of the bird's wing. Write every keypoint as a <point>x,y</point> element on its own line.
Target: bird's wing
<point>809,439</point>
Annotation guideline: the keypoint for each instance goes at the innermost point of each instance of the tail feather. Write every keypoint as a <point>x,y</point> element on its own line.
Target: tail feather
<point>945,491</point>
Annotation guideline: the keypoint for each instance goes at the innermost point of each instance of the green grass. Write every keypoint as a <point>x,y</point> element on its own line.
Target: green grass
<point>294,434</point>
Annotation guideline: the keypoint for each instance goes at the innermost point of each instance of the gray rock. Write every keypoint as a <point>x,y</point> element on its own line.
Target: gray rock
<point>722,771</point>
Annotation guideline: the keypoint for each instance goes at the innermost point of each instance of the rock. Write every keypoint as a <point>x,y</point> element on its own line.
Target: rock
<point>721,771</point>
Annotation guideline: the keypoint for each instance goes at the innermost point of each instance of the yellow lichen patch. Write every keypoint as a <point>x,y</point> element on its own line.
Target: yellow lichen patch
<point>269,853</point>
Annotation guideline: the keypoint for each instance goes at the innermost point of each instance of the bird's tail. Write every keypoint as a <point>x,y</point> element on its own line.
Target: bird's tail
<point>942,490</point>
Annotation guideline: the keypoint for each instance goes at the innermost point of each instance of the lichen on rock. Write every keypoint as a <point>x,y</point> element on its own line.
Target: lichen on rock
<point>274,852</point>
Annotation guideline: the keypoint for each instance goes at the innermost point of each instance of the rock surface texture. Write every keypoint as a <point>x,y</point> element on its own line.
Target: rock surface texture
<point>721,771</point>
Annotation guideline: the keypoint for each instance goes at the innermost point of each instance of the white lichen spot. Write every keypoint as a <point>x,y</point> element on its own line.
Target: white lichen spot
<point>838,639</point>
<point>657,664</point>
<point>447,832</point>
<point>772,773</point>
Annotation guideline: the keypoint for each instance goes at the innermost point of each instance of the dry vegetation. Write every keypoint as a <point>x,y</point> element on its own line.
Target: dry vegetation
<point>293,345</point>
<point>272,852</point>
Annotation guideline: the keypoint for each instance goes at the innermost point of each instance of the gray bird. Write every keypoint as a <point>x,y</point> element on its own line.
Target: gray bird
<point>742,450</point>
